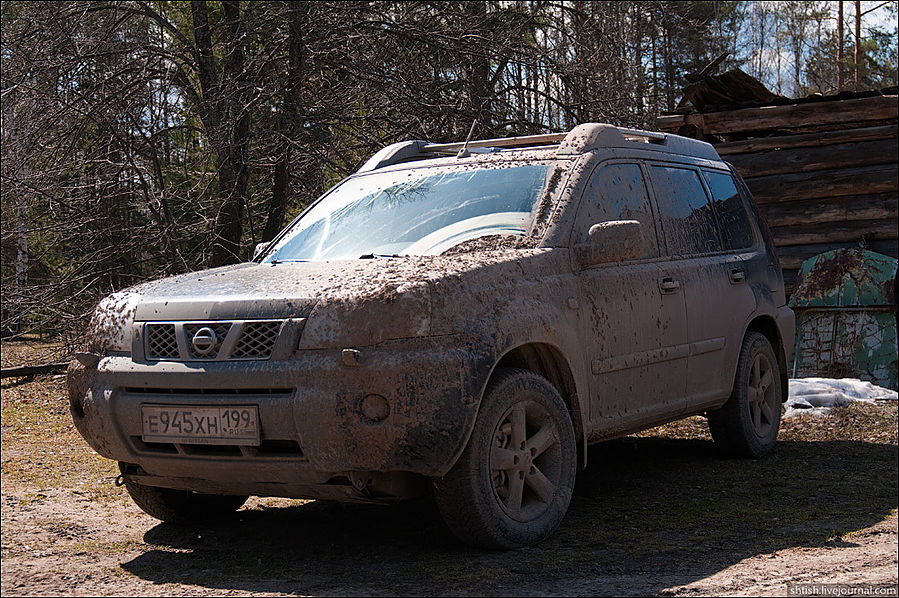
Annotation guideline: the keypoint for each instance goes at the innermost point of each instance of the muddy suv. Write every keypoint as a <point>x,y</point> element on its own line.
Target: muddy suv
<point>458,320</point>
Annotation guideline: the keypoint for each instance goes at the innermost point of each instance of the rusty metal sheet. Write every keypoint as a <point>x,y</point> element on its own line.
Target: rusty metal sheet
<point>845,304</point>
<point>846,278</point>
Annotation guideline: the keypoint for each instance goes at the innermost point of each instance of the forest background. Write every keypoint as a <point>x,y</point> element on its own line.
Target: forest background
<point>143,139</point>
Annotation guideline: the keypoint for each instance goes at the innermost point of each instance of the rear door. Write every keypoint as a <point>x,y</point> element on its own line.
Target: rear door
<point>711,277</point>
<point>749,277</point>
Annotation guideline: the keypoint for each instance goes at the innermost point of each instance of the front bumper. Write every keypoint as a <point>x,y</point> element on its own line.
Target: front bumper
<point>312,425</point>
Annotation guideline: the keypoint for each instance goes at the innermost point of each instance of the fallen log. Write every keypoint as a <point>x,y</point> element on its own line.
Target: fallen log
<point>834,232</point>
<point>820,129</point>
<point>33,370</point>
<point>831,209</point>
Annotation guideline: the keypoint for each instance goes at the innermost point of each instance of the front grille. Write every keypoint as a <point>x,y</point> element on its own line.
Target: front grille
<point>256,340</point>
<point>162,342</point>
<point>221,332</point>
<point>212,341</point>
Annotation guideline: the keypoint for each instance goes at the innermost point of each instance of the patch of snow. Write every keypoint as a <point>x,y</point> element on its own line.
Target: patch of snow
<point>817,396</point>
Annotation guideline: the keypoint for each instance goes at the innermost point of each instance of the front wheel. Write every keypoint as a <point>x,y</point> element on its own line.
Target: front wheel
<point>513,482</point>
<point>747,425</point>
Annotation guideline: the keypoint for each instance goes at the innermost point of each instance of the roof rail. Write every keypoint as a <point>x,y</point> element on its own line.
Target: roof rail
<point>524,141</point>
<point>583,138</point>
<point>395,153</point>
<point>646,136</point>
<point>591,136</point>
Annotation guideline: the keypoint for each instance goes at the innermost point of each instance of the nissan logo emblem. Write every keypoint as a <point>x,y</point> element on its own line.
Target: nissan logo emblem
<point>204,341</point>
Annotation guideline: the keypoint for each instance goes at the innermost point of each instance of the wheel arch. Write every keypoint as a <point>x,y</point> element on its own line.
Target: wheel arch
<point>767,326</point>
<point>548,361</point>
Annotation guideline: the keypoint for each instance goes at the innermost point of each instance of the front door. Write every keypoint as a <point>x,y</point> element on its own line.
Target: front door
<point>633,319</point>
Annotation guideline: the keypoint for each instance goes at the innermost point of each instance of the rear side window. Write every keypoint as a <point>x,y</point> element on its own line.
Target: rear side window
<point>735,227</point>
<point>688,222</point>
<point>618,192</point>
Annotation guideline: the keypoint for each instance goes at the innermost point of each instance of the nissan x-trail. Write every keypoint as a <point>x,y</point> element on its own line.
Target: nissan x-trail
<point>458,320</point>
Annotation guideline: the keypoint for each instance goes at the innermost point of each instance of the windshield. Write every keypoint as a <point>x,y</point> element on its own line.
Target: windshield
<point>414,212</point>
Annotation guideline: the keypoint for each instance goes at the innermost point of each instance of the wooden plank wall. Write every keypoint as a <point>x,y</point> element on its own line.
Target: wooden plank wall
<point>823,173</point>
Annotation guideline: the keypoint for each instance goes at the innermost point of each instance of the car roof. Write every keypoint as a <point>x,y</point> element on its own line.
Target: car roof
<point>581,140</point>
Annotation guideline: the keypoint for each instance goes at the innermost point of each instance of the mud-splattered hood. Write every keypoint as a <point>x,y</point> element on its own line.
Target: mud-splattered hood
<point>364,301</point>
<point>293,289</point>
<point>242,291</point>
<point>344,302</point>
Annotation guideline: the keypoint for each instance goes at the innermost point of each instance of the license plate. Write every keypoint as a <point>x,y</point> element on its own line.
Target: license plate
<point>234,425</point>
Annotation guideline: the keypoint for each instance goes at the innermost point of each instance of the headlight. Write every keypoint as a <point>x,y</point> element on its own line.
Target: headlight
<point>112,323</point>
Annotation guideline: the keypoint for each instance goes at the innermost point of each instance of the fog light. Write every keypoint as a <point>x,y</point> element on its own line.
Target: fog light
<point>375,408</point>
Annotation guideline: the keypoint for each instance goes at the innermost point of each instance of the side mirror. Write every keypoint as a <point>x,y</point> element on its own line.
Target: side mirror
<point>260,249</point>
<point>612,241</point>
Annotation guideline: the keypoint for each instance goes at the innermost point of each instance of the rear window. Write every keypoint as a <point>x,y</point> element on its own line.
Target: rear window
<point>736,231</point>
<point>688,222</point>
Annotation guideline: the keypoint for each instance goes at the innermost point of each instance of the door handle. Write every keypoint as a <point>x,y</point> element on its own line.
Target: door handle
<point>668,285</point>
<point>737,276</point>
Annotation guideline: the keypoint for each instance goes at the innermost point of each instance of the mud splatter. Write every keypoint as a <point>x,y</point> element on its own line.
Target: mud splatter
<point>488,243</point>
<point>110,327</point>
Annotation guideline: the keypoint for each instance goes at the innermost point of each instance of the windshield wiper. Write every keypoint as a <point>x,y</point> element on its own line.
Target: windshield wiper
<point>371,256</point>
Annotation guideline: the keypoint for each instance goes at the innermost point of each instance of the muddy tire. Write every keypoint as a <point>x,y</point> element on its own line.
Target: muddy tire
<point>513,482</point>
<point>747,425</point>
<point>181,506</point>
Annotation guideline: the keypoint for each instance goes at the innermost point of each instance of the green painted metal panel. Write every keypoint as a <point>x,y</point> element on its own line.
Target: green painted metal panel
<point>845,304</point>
<point>846,278</point>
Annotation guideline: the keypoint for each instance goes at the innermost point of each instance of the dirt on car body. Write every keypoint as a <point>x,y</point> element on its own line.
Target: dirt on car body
<point>455,321</point>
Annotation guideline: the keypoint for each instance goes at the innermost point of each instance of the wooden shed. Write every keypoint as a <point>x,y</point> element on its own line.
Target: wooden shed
<point>823,169</point>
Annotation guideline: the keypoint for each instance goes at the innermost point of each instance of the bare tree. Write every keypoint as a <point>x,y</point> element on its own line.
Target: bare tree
<point>142,139</point>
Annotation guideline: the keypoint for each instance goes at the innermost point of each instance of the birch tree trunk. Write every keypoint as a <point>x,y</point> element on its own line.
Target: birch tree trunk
<point>840,46</point>
<point>18,141</point>
<point>858,42</point>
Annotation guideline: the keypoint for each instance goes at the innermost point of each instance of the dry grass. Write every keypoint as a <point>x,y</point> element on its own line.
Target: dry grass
<point>827,476</point>
<point>864,422</point>
<point>41,447</point>
<point>31,352</point>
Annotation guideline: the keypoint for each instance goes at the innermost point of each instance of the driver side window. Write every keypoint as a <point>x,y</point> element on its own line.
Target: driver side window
<point>618,192</point>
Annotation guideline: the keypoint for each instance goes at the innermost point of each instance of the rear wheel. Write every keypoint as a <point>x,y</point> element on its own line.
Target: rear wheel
<point>747,425</point>
<point>182,506</point>
<point>512,484</point>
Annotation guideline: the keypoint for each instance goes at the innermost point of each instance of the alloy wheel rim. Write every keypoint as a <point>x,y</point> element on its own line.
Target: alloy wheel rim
<point>763,401</point>
<point>525,461</point>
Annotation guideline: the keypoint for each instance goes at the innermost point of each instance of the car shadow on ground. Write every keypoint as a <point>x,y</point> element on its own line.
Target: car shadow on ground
<point>648,510</point>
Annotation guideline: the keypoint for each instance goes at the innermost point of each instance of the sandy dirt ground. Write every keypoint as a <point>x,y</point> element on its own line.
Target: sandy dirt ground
<point>656,514</point>
<point>59,543</point>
